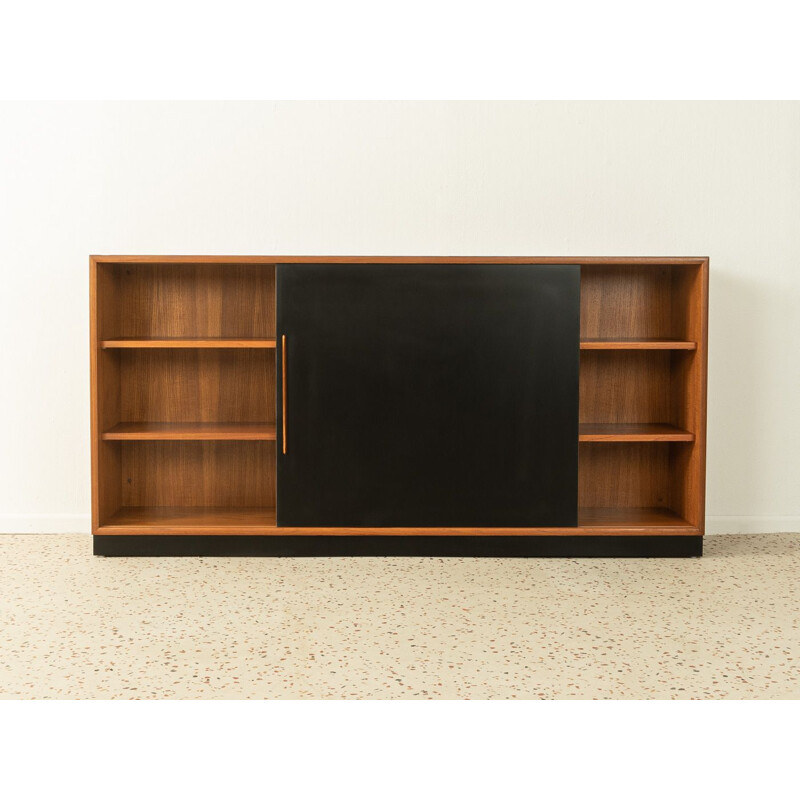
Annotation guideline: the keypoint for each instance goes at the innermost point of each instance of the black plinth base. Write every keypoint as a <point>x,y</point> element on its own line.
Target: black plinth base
<point>436,546</point>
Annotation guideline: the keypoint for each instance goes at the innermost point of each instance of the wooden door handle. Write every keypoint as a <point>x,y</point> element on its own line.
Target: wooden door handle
<point>283,388</point>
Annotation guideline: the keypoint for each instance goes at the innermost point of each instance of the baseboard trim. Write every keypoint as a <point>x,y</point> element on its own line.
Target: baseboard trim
<point>744,524</point>
<point>403,546</point>
<point>45,523</point>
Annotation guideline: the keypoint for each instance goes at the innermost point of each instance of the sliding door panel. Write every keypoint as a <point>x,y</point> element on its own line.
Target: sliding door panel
<point>428,395</point>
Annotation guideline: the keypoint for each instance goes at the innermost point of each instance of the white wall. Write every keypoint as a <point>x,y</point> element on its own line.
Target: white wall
<point>716,179</point>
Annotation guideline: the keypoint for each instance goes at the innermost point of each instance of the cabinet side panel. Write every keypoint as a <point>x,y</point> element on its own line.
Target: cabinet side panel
<point>690,312</point>
<point>94,349</point>
<point>104,393</point>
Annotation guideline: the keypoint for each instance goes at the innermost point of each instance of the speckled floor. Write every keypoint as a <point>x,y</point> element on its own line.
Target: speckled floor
<point>77,626</point>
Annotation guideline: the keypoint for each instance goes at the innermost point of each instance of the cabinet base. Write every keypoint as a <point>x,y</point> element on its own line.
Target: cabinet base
<point>432,546</point>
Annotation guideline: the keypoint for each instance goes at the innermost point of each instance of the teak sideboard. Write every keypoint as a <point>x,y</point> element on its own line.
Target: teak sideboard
<point>266,405</point>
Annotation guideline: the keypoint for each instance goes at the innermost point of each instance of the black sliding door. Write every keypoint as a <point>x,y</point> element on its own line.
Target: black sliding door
<point>428,395</point>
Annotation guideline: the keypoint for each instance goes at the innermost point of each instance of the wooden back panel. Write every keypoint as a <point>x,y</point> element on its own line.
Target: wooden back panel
<point>193,300</point>
<point>196,385</point>
<point>201,474</point>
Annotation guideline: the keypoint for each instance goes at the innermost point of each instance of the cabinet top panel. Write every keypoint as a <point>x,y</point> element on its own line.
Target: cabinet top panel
<point>233,259</point>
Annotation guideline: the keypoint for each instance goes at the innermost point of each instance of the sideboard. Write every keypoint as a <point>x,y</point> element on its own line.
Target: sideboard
<point>285,405</point>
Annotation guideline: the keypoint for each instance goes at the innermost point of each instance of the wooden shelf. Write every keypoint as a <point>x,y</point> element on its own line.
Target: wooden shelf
<point>639,432</point>
<point>197,520</point>
<point>189,519</point>
<point>228,342</point>
<point>180,343</point>
<point>637,344</point>
<point>191,431</point>
<point>643,518</point>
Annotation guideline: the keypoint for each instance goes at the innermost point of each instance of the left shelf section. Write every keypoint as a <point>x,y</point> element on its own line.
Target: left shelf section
<point>184,397</point>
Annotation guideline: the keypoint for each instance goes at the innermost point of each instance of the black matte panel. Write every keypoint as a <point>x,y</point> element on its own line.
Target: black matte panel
<point>432,546</point>
<point>429,395</point>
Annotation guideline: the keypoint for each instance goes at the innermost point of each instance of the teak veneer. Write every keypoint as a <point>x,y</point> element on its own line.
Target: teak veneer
<point>188,390</point>
<point>191,431</point>
<point>222,342</point>
<point>636,344</point>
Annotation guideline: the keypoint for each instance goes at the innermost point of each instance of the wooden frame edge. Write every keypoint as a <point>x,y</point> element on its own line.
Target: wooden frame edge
<point>250,259</point>
<point>93,391</point>
<point>701,441</point>
<point>486,533</point>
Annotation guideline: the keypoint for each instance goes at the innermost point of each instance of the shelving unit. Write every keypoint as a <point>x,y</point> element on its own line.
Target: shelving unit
<point>184,370</point>
<point>185,397</point>
<point>642,395</point>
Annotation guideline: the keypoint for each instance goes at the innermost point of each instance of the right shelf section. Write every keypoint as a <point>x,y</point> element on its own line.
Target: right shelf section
<point>642,396</point>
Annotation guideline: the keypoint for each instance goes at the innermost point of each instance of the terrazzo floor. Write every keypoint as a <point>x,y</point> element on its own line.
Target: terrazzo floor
<point>77,626</point>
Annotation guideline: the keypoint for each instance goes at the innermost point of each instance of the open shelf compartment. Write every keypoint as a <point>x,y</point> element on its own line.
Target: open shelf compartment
<point>190,484</point>
<point>640,306</point>
<point>636,395</point>
<point>158,305</point>
<point>635,484</point>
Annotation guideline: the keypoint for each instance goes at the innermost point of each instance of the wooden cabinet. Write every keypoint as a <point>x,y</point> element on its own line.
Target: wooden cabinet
<point>502,406</point>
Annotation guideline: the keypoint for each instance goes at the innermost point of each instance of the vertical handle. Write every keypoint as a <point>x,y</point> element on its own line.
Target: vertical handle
<point>283,388</point>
